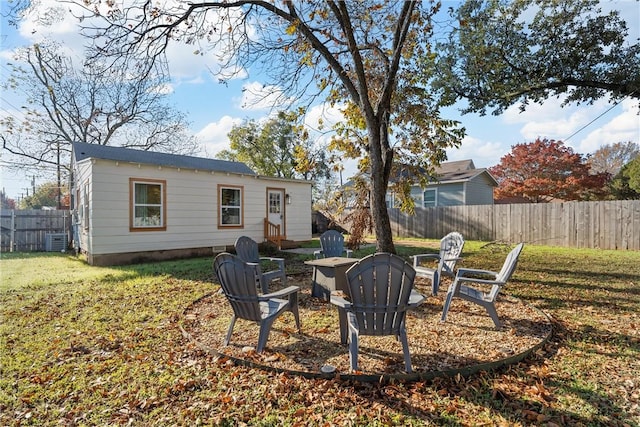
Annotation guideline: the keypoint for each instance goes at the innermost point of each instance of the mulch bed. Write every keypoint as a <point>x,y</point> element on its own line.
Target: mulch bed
<point>468,339</point>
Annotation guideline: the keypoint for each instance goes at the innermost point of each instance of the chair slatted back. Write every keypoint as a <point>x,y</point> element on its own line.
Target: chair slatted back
<point>247,249</point>
<point>450,248</point>
<point>509,266</point>
<point>379,287</point>
<point>238,280</point>
<point>332,243</point>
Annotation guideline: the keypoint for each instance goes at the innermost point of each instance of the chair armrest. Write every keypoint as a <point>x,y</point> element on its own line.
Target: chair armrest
<point>479,281</point>
<point>269,258</point>
<point>415,299</point>
<point>466,272</point>
<point>340,302</point>
<point>281,293</point>
<point>316,254</point>
<point>420,257</point>
<point>349,252</point>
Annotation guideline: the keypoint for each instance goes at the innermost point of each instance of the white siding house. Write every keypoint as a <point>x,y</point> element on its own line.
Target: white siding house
<point>133,205</point>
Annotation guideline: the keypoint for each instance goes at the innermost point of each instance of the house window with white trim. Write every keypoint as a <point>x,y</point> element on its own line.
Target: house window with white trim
<point>231,206</point>
<point>148,205</point>
<point>430,198</point>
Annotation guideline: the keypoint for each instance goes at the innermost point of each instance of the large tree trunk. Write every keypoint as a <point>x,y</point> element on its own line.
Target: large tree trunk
<point>381,160</point>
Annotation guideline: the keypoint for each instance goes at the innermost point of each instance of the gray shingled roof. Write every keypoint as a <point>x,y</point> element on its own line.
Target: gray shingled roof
<point>465,175</point>
<point>84,151</point>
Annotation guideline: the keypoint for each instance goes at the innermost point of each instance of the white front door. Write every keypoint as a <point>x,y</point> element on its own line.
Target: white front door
<point>275,207</point>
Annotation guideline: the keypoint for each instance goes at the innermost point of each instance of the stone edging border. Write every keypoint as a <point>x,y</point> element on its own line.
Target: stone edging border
<point>384,378</point>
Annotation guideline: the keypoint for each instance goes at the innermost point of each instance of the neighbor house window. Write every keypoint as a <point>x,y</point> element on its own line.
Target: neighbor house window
<point>231,206</point>
<point>148,205</point>
<point>429,198</point>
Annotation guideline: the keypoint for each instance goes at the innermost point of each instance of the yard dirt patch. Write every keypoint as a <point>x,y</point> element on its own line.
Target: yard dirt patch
<point>467,342</point>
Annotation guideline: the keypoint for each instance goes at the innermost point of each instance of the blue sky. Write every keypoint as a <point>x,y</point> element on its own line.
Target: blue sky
<point>213,108</point>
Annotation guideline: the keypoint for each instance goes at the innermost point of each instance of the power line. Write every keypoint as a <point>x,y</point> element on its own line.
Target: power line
<point>603,113</point>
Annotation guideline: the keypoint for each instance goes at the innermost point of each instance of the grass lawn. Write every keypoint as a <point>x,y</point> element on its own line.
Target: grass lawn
<point>84,345</point>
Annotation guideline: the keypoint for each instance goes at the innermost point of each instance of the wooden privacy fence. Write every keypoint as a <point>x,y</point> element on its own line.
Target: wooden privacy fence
<point>34,230</point>
<point>603,224</point>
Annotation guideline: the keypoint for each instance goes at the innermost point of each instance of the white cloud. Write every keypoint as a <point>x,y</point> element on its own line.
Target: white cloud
<point>622,127</point>
<point>213,136</point>
<point>483,153</point>
<point>325,113</point>
<point>551,120</point>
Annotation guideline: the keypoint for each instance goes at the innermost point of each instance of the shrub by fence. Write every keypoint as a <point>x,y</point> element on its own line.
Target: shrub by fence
<point>603,224</point>
<point>27,230</point>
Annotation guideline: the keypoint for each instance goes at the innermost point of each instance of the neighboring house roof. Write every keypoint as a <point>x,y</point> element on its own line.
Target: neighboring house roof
<point>457,166</point>
<point>463,176</point>
<point>458,171</point>
<point>84,151</point>
<point>448,173</point>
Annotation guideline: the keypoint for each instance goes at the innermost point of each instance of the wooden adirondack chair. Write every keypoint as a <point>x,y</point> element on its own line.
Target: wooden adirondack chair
<point>238,282</point>
<point>247,250</point>
<point>468,285</point>
<point>450,249</point>
<point>381,291</point>
<point>332,245</point>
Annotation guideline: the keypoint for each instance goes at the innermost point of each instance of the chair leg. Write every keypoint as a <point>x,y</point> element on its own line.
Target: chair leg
<point>435,284</point>
<point>265,328</point>
<point>353,343</point>
<point>402,336</point>
<point>344,328</point>
<point>293,308</point>
<point>353,351</point>
<point>233,322</point>
<point>491,309</point>
<point>447,301</point>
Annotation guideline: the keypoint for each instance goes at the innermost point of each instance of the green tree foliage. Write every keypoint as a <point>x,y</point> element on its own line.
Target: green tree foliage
<point>278,147</point>
<point>626,184</point>
<point>373,57</point>
<point>509,51</point>
<point>46,195</point>
<point>544,170</point>
<point>611,158</point>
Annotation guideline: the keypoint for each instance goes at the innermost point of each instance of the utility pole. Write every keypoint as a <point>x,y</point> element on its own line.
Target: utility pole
<point>58,196</point>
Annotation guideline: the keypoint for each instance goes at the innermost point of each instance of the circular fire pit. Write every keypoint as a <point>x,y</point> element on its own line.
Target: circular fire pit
<point>465,344</point>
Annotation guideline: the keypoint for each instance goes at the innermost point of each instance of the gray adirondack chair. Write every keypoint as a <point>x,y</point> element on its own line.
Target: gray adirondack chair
<point>238,282</point>
<point>450,249</point>
<point>469,283</point>
<point>332,245</point>
<point>247,250</point>
<point>381,291</point>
